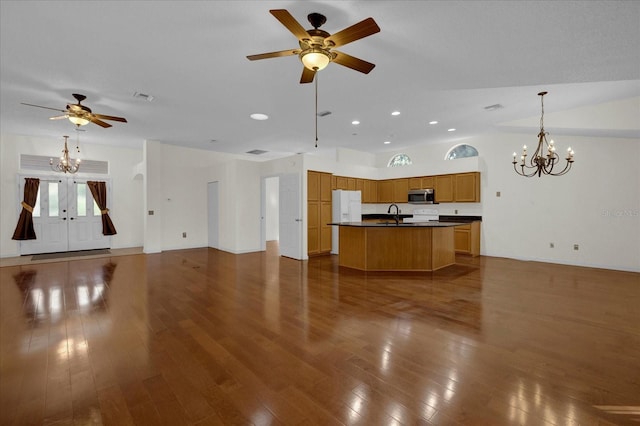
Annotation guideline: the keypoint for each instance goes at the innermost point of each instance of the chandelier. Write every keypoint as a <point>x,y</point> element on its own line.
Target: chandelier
<point>539,163</point>
<point>65,164</point>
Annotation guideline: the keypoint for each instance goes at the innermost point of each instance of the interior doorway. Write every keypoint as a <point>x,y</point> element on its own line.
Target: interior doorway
<point>213,219</point>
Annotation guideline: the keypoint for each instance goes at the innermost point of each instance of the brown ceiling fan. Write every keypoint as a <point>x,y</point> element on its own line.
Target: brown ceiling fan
<point>80,114</point>
<point>316,45</point>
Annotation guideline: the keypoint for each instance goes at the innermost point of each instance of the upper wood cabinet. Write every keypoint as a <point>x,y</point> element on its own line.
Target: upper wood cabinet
<point>370,192</point>
<point>400,190</point>
<point>342,182</point>
<point>467,187</point>
<point>313,185</point>
<point>325,187</point>
<point>385,191</point>
<point>351,184</point>
<point>444,188</point>
<point>415,183</point>
<point>423,182</point>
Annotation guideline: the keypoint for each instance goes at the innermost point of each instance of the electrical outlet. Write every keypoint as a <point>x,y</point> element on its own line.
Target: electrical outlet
<point>576,247</point>
<point>184,235</point>
<point>551,245</point>
<point>497,193</point>
<point>456,211</point>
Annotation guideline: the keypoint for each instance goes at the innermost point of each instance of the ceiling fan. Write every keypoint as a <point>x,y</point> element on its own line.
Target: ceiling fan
<point>80,114</point>
<point>316,45</point>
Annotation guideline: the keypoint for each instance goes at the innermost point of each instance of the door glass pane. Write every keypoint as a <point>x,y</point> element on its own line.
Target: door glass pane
<point>53,199</point>
<point>36,208</point>
<point>96,209</point>
<point>81,197</point>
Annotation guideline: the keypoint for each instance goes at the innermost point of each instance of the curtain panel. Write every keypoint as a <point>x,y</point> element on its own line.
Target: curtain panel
<point>99,192</point>
<point>24,229</point>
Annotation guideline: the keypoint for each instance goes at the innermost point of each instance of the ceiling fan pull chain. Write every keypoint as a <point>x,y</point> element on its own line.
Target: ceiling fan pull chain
<point>316,109</point>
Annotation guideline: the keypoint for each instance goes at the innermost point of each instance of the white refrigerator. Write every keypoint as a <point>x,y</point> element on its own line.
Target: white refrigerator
<point>346,207</point>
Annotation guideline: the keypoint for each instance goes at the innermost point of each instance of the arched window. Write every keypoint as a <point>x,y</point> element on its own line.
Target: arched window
<point>399,160</point>
<point>461,151</point>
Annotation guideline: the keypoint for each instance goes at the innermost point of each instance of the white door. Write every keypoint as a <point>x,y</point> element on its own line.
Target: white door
<point>84,218</point>
<point>65,218</point>
<point>290,223</point>
<point>213,216</point>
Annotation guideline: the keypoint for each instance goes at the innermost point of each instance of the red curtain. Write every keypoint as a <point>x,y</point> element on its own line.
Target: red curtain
<point>24,228</point>
<point>99,192</point>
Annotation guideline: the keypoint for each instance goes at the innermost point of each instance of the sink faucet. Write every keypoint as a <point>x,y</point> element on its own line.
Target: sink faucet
<point>397,215</point>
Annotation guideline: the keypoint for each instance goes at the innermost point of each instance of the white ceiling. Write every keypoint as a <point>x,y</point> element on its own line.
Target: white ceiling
<point>434,60</point>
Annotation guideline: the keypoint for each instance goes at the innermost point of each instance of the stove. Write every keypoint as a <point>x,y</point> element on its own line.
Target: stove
<point>423,215</point>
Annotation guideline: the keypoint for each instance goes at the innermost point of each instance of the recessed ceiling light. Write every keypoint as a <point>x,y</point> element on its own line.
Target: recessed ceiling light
<point>395,113</point>
<point>433,122</point>
<point>259,116</point>
<point>387,142</point>
<point>355,122</point>
<point>451,130</point>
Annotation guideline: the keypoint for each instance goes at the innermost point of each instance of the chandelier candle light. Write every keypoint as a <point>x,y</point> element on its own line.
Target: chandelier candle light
<point>539,163</point>
<point>65,164</point>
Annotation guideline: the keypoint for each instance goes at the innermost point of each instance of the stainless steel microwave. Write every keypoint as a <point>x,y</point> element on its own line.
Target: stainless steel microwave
<point>421,196</point>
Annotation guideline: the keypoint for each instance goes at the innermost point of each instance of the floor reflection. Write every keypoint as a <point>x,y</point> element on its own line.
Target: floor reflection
<point>46,299</point>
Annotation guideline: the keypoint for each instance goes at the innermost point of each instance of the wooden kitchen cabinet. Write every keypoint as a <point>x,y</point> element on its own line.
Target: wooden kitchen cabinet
<point>370,192</point>
<point>385,191</point>
<point>325,187</point>
<point>467,187</point>
<point>342,182</point>
<point>467,238</point>
<point>423,182</point>
<point>319,212</point>
<point>400,190</point>
<point>444,188</point>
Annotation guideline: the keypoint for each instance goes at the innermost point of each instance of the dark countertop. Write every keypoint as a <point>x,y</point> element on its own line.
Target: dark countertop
<point>443,218</point>
<point>383,216</point>
<point>456,218</point>
<point>392,224</point>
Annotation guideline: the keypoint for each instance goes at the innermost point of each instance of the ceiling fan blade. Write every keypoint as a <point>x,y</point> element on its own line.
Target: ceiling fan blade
<point>273,54</point>
<point>307,75</point>
<point>99,122</point>
<point>355,32</point>
<point>40,106</point>
<point>110,117</point>
<point>290,22</point>
<point>353,62</point>
<point>59,117</point>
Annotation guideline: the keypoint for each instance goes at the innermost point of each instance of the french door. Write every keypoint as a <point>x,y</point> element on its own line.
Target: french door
<point>65,217</point>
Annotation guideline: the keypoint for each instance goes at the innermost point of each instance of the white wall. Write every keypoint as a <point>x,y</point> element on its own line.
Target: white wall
<point>127,190</point>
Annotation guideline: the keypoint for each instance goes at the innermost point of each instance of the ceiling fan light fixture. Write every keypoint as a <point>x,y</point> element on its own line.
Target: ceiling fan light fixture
<point>315,59</point>
<point>78,121</point>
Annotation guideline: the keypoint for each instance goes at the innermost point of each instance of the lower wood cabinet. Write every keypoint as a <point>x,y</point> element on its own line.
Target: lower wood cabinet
<point>467,238</point>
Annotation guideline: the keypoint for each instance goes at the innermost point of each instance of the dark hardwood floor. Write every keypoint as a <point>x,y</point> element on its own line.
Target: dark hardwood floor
<point>206,337</point>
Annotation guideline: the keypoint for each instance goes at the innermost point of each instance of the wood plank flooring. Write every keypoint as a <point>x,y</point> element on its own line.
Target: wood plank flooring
<point>204,337</point>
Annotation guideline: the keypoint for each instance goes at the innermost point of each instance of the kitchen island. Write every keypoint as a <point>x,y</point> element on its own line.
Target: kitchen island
<point>424,246</point>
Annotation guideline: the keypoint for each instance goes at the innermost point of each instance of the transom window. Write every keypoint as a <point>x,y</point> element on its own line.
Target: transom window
<point>399,160</point>
<point>461,151</point>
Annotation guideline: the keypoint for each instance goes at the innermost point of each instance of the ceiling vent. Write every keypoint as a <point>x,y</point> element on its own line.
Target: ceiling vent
<point>143,96</point>
<point>256,152</point>
<point>493,107</point>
